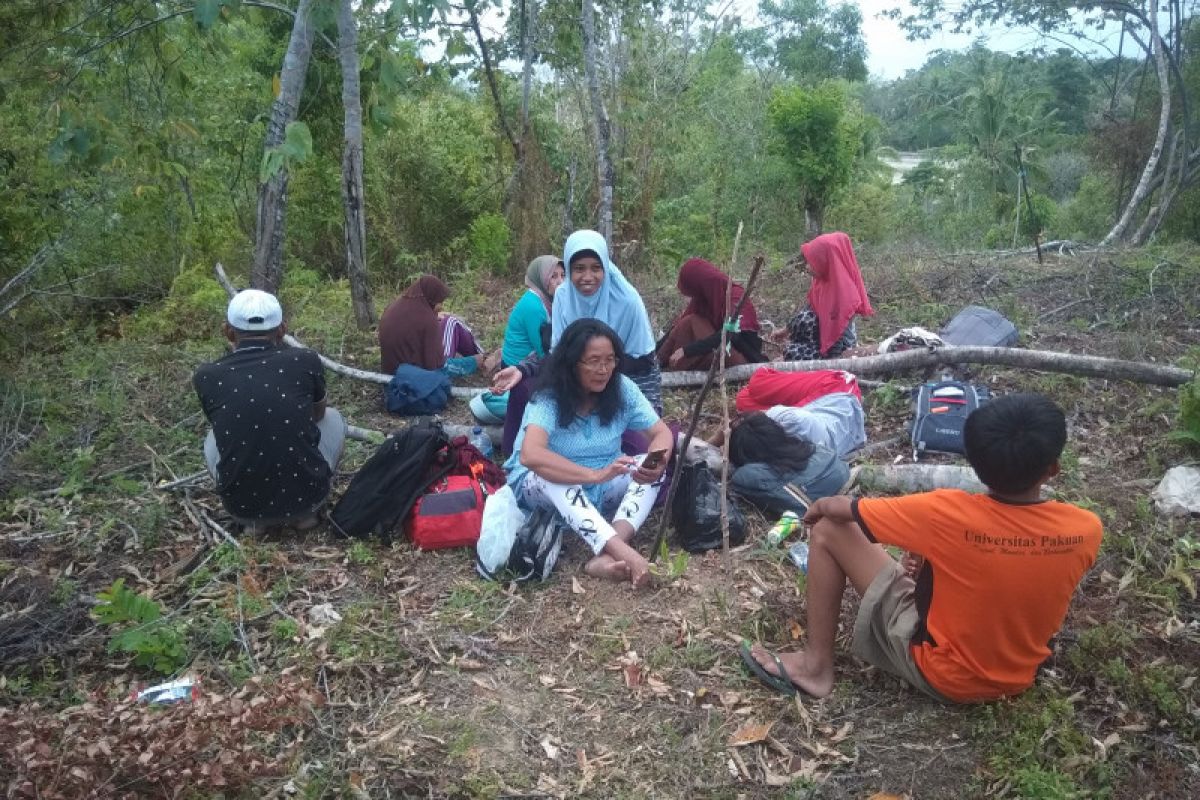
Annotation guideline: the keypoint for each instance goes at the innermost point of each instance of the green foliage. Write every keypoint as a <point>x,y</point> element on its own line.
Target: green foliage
<point>1088,214</point>
<point>153,641</point>
<point>1028,738</point>
<point>814,42</point>
<point>285,629</point>
<point>818,131</point>
<point>427,181</point>
<point>868,209</point>
<point>78,467</point>
<point>676,565</point>
<point>194,307</point>
<point>1189,414</point>
<point>360,553</point>
<point>489,242</point>
<point>296,147</point>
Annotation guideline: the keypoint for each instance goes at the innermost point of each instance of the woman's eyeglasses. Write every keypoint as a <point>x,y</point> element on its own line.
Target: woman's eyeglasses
<point>599,364</point>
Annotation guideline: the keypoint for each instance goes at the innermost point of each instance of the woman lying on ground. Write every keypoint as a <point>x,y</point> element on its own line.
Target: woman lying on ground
<point>568,453</point>
<point>414,330</point>
<point>824,326</point>
<point>594,289</point>
<point>696,334</point>
<point>772,463</point>
<point>527,333</point>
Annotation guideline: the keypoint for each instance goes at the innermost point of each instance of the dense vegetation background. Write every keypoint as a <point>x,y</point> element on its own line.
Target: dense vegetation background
<point>133,138</point>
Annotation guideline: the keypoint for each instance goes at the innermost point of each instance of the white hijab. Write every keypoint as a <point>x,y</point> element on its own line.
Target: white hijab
<point>616,303</point>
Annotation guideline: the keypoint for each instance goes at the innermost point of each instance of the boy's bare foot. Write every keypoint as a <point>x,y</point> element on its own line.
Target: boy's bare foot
<point>817,681</point>
<point>606,567</point>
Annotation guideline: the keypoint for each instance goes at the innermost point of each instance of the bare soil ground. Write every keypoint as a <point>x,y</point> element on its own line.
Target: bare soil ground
<point>432,683</point>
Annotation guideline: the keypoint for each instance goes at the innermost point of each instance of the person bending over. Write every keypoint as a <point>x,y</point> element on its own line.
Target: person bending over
<point>994,572</point>
<point>274,444</point>
<point>771,464</point>
<point>567,455</point>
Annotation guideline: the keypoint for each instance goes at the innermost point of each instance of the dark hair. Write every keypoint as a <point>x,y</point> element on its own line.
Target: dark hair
<point>758,438</point>
<point>561,382</point>
<point>578,254</point>
<point>267,334</point>
<point>1013,440</point>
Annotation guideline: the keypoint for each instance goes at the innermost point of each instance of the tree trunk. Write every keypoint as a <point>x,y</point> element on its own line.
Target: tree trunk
<point>352,169</point>
<point>568,215</point>
<point>490,75</point>
<point>1164,119</point>
<point>814,219</point>
<point>1172,180</point>
<point>604,166</point>
<point>530,31</point>
<point>1044,360</point>
<point>267,272</point>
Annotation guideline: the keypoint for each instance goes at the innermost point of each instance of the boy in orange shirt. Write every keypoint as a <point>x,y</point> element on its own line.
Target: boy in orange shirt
<point>993,578</point>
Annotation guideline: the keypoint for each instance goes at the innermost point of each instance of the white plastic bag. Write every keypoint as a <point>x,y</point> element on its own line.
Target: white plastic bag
<point>1178,493</point>
<point>502,518</point>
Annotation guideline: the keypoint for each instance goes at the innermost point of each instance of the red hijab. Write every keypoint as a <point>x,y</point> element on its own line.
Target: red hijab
<point>704,285</point>
<point>408,330</point>
<point>837,293</point>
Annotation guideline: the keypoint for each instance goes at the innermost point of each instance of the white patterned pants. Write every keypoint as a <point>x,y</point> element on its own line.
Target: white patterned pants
<point>632,502</point>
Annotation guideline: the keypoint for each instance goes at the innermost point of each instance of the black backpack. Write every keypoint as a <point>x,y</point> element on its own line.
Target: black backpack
<point>696,511</point>
<point>941,412</point>
<point>381,493</point>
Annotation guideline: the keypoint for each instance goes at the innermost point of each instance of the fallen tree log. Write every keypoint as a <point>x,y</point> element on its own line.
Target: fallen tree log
<point>1041,360</point>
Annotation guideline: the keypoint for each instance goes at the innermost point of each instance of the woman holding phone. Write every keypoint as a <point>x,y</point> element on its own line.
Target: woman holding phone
<point>594,288</point>
<point>567,455</point>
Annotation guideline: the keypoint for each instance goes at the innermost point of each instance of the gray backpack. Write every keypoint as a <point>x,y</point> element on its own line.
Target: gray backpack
<point>980,327</point>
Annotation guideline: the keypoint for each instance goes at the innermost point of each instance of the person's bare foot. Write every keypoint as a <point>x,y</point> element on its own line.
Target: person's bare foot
<point>811,678</point>
<point>608,568</point>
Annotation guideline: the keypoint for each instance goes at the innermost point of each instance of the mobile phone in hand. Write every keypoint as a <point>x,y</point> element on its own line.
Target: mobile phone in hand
<point>654,458</point>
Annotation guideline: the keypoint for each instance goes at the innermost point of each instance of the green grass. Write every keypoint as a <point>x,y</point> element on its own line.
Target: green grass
<point>1027,741</point>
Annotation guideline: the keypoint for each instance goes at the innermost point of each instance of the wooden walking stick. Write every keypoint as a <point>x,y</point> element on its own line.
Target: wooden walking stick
<point>734,321</point>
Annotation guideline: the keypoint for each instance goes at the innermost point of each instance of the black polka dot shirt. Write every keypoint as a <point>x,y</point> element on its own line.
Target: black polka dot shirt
<point>259,400</point>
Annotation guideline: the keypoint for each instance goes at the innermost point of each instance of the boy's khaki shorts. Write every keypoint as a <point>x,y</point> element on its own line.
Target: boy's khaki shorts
<point>883,630</point>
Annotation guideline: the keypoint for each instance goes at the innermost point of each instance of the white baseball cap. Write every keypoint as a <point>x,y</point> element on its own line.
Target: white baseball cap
<point>254,310</point>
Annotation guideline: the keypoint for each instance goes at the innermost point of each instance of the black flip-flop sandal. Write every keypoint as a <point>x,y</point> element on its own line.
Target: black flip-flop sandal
<point>781,683</point>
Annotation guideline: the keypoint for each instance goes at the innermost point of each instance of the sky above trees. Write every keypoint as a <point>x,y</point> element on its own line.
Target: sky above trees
<point>890,54</point>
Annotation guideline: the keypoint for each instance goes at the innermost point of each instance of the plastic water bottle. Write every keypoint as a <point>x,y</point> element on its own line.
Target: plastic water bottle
<point>788,524</point>
<point>799,555</point>
<point>482,442</point>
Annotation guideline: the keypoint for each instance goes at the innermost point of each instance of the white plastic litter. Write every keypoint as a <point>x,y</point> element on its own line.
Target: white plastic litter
<point>167,693</point>
<point>1178,493</point>
<point>502,518</point>
<point>700,450</point>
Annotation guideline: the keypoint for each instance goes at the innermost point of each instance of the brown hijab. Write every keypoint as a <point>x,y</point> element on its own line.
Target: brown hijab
<point>408,330</point>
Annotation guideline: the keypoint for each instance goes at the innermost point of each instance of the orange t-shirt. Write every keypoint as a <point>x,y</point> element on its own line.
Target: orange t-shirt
<point>1002,578</point>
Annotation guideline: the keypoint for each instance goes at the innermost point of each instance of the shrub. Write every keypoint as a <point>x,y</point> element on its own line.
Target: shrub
<point>145,634</point>
<point>488,242</point>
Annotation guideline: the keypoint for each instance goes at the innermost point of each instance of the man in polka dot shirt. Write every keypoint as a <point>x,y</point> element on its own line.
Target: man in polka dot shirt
<point>274,445</point>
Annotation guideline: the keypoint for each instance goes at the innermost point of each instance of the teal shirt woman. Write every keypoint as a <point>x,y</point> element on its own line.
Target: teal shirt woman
<point>523,335</point>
